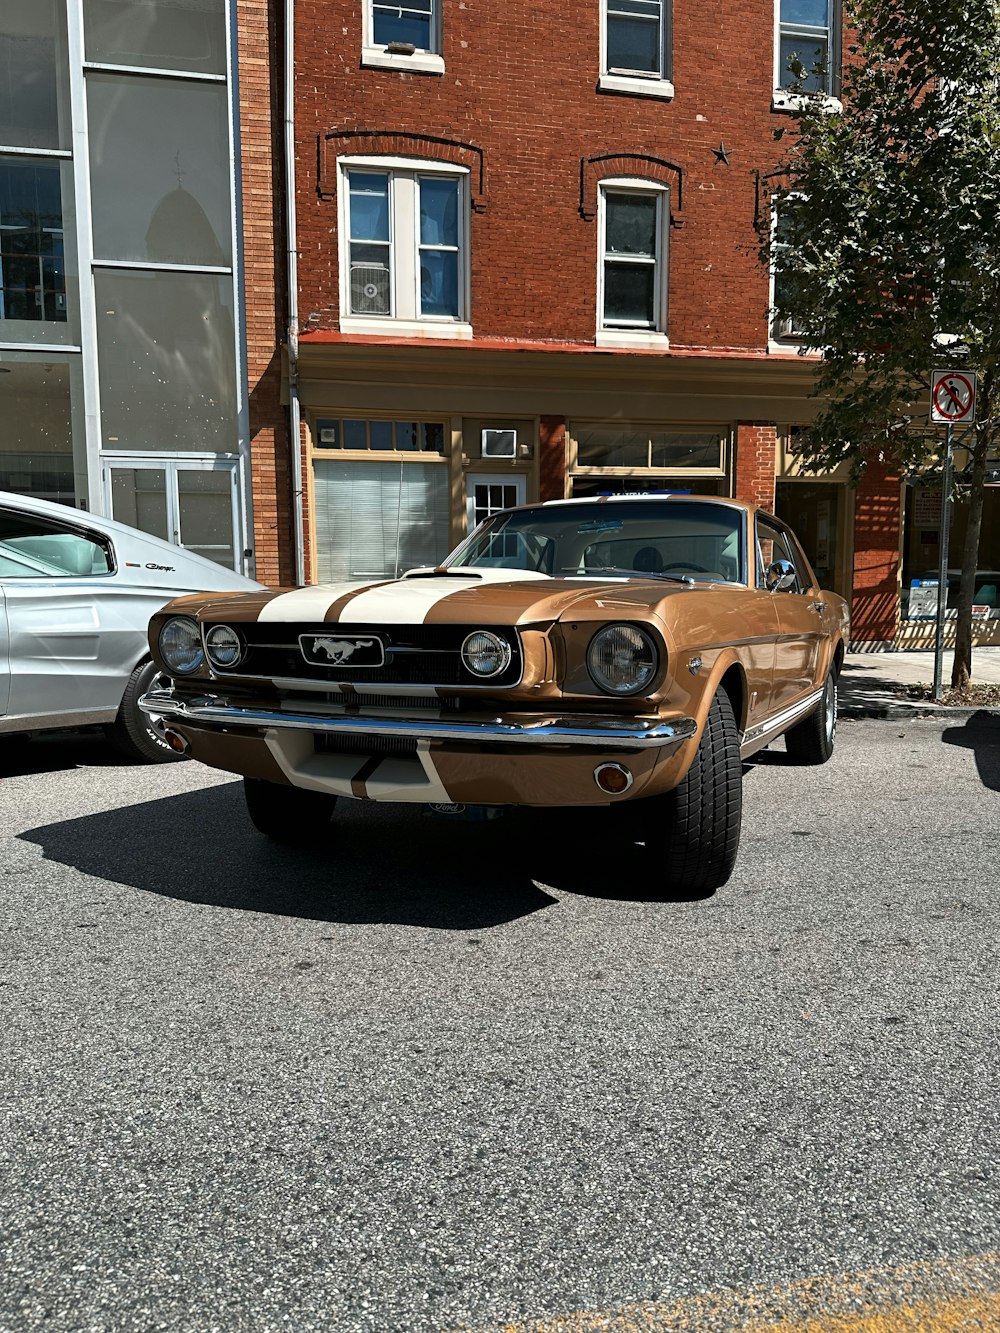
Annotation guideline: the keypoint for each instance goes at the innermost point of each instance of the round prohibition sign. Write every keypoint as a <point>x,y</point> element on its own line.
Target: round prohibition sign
<point>953,396</point>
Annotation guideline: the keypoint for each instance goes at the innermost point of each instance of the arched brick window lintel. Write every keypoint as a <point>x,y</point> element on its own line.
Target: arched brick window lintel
<point>642,165</point>
<point>334,144</point>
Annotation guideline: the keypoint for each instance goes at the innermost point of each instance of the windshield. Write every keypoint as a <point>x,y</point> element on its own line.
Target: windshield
<point>645,539</point>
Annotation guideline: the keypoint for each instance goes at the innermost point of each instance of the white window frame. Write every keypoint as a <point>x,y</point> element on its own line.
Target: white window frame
<point>404,229</point>
<point>375,56</point>
<point>620,335</point>
<point>784,100</point>
<point>778,341</point>
<point>639,83</point>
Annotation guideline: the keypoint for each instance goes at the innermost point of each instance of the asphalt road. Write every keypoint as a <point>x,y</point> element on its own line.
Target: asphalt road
<point>454,1075</point>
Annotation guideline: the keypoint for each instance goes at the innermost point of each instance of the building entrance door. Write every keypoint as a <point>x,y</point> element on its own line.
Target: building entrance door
<point>190,501</point>
<point>486,493</point>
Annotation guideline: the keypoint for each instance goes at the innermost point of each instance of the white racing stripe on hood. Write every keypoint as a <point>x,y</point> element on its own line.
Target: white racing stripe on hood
<point>307,604</point>
<point>408,601</point>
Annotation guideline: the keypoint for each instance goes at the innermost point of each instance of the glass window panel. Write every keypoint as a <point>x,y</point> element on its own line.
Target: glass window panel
<point>166,352</point>
<point>31,73</point>
<point>369,206</point>
<point>630,226</point>
<point>407,435</point>
<point>439,282</point>
<point>810,51</point>
<point>139,498</point>
<point>810,13</point>
<point>629,294</point>
<point>159,151</point>
<point>670,450</point>
<point>411,22</point>
<point>381,434</point>
<point>634,42</point>
<point>205,514</point>
<point>433,437</point>
<point>33,547</point>
<point>32,279</point>
<point>355,434</point>
<point>377,519</point>
<point>612,448</point>
<point>438,211</point>
<point>36,438</point>
<point>157,34</point>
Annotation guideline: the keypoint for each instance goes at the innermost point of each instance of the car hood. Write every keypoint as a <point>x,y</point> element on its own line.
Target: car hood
<point>489,596</point>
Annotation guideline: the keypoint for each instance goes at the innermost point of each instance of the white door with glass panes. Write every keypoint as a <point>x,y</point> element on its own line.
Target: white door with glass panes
<point>488,493</point>
<point>192,502</point>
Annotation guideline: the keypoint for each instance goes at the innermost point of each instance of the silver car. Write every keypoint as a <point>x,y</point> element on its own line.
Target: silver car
<point>76,595</point>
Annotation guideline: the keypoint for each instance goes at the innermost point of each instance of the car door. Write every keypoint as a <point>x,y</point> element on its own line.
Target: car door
<point>53,577</point>
<point>798,608</point>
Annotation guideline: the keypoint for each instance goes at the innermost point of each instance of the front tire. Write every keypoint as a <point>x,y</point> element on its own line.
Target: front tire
<point>697,832</point>
<point>812,740</point>
<point>133,733</point>
<point>291,815</point>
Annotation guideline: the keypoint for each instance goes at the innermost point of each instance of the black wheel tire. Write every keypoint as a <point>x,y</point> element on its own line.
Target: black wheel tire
<point>132,733</point>
<point>811,741</point>
<point>292,815</point>
<point>696,828</point>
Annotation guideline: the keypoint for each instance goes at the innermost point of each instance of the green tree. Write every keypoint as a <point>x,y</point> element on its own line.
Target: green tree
<point>888,242</point>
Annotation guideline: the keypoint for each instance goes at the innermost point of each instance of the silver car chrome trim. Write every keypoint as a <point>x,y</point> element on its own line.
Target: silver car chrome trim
<point>780,719</point>
<point>600,731</point>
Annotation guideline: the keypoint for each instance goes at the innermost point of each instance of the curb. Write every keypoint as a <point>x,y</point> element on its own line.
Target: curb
<point>901,712</point>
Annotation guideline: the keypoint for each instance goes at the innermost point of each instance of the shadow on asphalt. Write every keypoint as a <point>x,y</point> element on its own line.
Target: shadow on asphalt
<point>57,751</point>
<point>981,735</point>
<point>385,864</point>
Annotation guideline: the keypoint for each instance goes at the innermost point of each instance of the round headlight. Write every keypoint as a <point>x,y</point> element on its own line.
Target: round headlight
<point>223,645</point>
<point>622,659</point>
<point>180,645</point>
<point>486,654</point>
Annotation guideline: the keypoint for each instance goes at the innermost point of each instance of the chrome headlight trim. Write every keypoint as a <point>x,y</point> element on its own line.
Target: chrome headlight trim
<point>180,645</point>
<point>217,655</point>
<point>609,664</point>
<point>488,646</point>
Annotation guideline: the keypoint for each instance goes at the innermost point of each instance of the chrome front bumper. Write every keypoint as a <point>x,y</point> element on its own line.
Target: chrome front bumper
<point>597,731</point>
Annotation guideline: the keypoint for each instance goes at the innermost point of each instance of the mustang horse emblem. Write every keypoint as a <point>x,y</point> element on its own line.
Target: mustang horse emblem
<point>338,651</point>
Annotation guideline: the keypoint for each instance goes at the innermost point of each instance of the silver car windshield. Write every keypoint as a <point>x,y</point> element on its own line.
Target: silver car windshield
<point>671,540</point>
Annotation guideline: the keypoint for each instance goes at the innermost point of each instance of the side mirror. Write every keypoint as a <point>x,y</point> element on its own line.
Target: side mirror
<point>779,576</point>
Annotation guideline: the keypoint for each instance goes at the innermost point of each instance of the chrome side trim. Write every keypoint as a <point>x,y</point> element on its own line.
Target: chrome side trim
<point>783,718</point>
<point>594,730</point>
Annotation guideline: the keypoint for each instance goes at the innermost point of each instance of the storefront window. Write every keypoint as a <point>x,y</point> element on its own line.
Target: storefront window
<point>32,74</point>
<point>922,552</point>
<point>645,447</point>
<point>189,36</point>
<point>36,442</point>
<point>396,436</point>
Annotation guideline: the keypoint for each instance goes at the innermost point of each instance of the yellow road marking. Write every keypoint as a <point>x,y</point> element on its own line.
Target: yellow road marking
<point>959,1295</point>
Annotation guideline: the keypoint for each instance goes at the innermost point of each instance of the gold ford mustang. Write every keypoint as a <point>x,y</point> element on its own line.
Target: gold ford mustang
<point>576,653</point>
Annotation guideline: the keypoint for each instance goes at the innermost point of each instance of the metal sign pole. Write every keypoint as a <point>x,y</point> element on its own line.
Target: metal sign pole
<point>943,563</point>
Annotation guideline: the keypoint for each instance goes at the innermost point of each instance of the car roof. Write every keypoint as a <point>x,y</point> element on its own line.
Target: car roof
<point>649,498</point>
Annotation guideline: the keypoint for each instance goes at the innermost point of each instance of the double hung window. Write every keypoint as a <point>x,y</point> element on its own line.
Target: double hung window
<point>403,35</point>
<point>636,47</point>
<point>808,32</point>
<point>405,248</point>
<point>633,258</point>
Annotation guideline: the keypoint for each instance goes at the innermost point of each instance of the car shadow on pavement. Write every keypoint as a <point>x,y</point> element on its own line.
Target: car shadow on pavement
<point>55,752</point>
<point>395,867</point>
<point>383,864</point>
<point>981,735</point>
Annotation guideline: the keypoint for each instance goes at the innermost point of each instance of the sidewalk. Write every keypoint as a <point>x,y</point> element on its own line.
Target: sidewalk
<point>867,680</point>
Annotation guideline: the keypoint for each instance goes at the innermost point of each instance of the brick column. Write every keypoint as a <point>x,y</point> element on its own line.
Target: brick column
<point>756,448</point>
<point>552,481</point>
<point>878,520</point>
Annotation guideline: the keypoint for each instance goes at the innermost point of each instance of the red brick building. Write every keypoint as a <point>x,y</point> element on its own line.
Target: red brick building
<point>526,268</point>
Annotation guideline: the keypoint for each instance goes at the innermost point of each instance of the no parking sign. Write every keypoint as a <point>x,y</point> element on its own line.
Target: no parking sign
<point>953,397</point>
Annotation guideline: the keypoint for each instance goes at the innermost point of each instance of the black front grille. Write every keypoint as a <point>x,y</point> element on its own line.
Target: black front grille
<point>414,654</point>
<point>385,747</point>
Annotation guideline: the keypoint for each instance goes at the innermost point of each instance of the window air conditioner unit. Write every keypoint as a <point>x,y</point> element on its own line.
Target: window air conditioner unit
<point>370,289</point>
<point>499,444</point>
<point>785,328</point>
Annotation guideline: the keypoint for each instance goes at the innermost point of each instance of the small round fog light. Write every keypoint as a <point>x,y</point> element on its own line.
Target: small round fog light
<point>613,778</point>
<point>223,646</point>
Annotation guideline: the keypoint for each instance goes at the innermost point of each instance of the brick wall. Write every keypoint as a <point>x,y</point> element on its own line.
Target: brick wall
<point>756,444</point>
<point>263,231</point>
<point>519,92</point>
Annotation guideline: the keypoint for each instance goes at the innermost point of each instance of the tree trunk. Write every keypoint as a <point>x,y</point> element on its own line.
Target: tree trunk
<point>961,671</point>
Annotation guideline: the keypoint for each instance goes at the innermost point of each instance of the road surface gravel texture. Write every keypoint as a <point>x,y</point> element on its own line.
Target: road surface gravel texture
<point>451,1075</point>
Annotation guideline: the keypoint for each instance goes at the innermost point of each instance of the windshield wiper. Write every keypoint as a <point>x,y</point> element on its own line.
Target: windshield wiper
<point>635,573</point>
